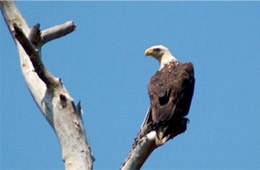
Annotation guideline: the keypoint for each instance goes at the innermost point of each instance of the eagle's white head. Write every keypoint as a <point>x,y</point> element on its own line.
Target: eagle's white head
<point>161,53</point>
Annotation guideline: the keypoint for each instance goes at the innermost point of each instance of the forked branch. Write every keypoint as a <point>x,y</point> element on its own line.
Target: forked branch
<point>49,93</point>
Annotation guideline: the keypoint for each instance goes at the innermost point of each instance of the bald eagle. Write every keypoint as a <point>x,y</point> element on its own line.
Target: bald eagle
<point>170,90</point>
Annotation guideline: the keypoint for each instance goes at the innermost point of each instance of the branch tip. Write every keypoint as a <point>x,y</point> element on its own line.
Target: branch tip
<point>57,31</point>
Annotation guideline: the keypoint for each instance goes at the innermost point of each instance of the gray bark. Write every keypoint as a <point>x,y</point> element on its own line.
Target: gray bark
<point>48,91</point>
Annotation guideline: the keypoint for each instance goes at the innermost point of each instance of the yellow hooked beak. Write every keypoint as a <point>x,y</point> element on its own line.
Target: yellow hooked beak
<point>148,52</point>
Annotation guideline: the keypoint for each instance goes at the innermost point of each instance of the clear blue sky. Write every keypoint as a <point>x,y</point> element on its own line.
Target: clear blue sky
<point>102,64</point>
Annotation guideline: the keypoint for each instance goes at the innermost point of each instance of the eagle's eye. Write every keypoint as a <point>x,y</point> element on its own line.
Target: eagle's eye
<point>157,50</point>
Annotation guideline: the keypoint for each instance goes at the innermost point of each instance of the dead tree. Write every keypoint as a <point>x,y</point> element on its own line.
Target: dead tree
<point>48,91</point>
<point>55,102</point>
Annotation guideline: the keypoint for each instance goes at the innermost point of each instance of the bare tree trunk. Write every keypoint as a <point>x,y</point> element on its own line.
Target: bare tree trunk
<point>48,91</point>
